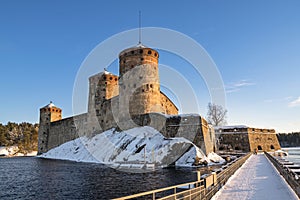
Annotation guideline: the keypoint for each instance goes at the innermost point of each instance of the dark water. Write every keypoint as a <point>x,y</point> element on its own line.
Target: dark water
<point>36,178</point>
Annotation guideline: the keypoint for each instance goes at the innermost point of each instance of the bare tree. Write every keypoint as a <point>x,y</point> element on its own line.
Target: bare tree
<point>216,115</point>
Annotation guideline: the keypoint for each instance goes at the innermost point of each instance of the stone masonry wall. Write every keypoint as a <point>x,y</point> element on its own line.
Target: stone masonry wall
<point>233,141</point>
<point>248,139</point>
<point>167,105</point>
<point>191,127</point>
<point>66,129</point>
<point>263,141</point>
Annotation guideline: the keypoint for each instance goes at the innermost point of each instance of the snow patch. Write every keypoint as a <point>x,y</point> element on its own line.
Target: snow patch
<point>13,151</point>
<point>134,147</point>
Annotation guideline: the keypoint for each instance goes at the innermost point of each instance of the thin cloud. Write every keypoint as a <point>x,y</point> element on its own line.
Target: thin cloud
<point>237,86</point>
<point>295,103</point>
<point>278,100</point>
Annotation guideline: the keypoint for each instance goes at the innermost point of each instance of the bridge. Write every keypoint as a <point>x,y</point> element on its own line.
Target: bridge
<point>256,179</point>
<point>249,177</point>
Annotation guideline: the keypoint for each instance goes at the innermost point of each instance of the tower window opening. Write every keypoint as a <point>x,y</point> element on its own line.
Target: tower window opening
<point>141,51</point>
<point>149,52</point>
<point>110,78</point>
<point>142,59</point>
<point>132,52</point>
<point>124,61</point>
<point>272,147</point>
<point>104,78</point>
<point>155,54</point>
<point>143,90</point>
<point>151,86</point>
<point>116,79</point>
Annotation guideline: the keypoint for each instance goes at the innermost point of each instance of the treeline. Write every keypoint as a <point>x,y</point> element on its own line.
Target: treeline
<point>289,139</point>
<point>23,135</point>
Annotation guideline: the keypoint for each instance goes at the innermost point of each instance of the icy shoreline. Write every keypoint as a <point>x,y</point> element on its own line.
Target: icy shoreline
<point>134,148</point>
<point>12,151</point>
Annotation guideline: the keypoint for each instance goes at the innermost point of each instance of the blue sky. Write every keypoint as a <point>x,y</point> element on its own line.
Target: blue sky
<point>255,45</point>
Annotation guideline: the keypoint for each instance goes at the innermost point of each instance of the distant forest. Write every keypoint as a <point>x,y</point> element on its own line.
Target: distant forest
<point>289,140</point>
<point>23,135</point>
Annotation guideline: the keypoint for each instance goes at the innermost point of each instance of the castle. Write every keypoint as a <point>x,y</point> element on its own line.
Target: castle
<point>246,139</point>
<point>126,101</point>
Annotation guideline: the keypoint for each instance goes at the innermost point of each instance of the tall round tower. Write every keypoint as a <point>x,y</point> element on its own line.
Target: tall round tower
<point>139,80</point>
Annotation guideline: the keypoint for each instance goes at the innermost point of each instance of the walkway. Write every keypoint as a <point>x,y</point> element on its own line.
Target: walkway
<point>256,179</point>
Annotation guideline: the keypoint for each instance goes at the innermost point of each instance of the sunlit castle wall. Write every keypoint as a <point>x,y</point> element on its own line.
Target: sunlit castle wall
<point>139,81</point>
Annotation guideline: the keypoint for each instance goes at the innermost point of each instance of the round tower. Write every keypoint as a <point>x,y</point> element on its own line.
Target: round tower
<point>139,80</point>
<point>48,114</point>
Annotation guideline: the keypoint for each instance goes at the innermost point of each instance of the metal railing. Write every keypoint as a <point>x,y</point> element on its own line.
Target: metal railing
<point>287,174</point>
<point>205,188</point>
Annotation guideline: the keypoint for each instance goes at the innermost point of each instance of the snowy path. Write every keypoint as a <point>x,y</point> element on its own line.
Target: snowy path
<point>256,179</point>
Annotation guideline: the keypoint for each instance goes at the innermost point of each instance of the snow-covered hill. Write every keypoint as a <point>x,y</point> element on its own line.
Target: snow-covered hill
<point>132,148</point>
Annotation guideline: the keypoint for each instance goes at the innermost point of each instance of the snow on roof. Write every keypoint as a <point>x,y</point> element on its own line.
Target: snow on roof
<point>50,105</point>
<point>107,72</point>
<point>230,127</point>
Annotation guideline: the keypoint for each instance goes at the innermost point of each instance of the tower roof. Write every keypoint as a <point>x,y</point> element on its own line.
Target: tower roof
<point>136,47</point>
<point>50,105</point>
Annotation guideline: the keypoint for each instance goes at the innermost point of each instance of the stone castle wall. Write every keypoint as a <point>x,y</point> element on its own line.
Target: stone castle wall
<point>248,139</point>
<point>168,106</point>
<point>191,127</point>
<point>263,141</point>
<point>66,129</point>
<point>234,141</point>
